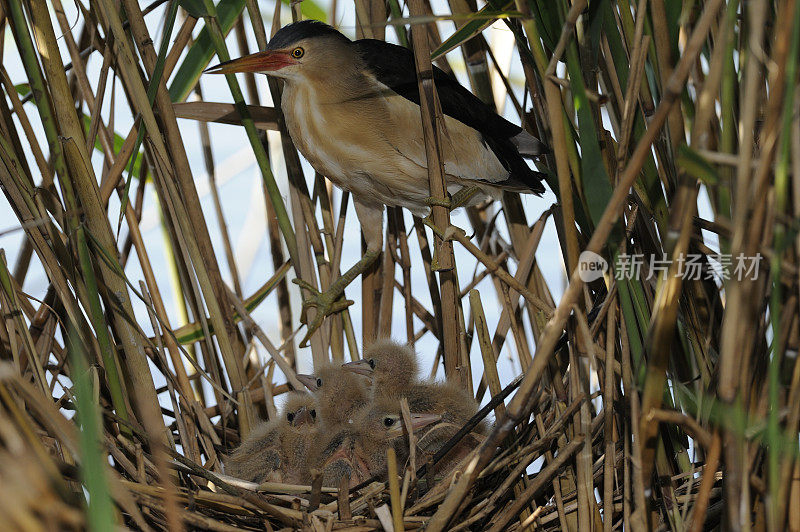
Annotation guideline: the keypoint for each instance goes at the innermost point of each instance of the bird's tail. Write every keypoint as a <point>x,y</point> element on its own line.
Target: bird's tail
<point>529,146</point>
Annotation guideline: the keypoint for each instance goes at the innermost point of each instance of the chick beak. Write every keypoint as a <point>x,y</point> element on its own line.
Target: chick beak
<point>302,416</point>
<point>268,61</point>
<point>361,367</point>
<point>309,381</point>
<point>418,421</point>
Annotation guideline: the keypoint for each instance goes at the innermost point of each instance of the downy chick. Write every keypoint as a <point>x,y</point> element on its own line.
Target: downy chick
<point>359,449</point>
<point>393,369</point>
<point>294,441</point>
<point>339,394</point>
<point>276,450</point>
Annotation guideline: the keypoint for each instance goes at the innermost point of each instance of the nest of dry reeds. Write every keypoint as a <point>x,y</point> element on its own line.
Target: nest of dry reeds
<point>661,393</point>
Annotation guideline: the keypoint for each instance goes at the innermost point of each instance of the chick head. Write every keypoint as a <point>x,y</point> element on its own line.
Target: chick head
<point>392,367</point>
<point>300,409</point>
<point>338,393</point>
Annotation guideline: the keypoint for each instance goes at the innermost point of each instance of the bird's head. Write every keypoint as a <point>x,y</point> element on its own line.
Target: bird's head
<point>300,409</point>
<point>382,422</point>
<point>390,425</point>
<point>361,445</point>
<point>304,49</point>
<point>301,417</point>
<point>338,393</point>
<point>389,364</point>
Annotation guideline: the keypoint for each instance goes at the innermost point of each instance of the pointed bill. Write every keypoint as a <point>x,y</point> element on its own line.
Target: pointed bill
<point>360,367</point>
<point>309,381</point>
<point>418,421</point>
<point>268,61</point>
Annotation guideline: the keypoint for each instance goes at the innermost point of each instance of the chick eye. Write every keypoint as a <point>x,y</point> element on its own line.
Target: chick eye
<point>298,52</point>
<point>313,414</point>
<point>319,383</point>
<point>388,422</point>
<point>372,363</point>
<point>290,417</point>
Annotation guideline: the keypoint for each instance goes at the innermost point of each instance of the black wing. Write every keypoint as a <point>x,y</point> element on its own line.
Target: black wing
<point>394,67</point>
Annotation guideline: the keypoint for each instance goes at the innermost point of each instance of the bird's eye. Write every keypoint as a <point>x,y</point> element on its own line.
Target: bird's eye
<point>372,363</point>
<point>290,417</point>
<point>313,414</point>
<point>298,52</point>
<point>388,421</point>
<point>319,383</point>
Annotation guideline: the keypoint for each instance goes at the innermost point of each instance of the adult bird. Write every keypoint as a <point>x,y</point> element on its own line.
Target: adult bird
<point>352,109</point>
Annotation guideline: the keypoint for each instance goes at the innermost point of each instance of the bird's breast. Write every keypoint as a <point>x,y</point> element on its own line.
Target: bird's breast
<point>345,140</point>
<point>307,128</point>
<point>370,141</point>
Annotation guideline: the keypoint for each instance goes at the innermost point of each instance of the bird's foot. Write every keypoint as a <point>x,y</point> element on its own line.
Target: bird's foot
<point>463,196</point>
<point>428,220</point>
<point>325,303</point>
<point>459,199</point>
<point>439,232</point>
<point>331,301</point>
<point>446,202</point>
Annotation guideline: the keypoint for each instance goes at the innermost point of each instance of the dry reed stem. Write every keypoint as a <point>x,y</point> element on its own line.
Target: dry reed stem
<point>432,127</point>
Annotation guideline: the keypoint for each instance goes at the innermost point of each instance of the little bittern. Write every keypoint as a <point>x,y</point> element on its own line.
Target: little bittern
<point>338,393</point>
<point>359,449</point>
<point>276,450</point>
<point>393,369</point>
<point>352,109</point>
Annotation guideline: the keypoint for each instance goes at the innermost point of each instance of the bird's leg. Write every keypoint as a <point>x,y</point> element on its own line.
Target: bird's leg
<point>459,199</point>
<point>329,302</point>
